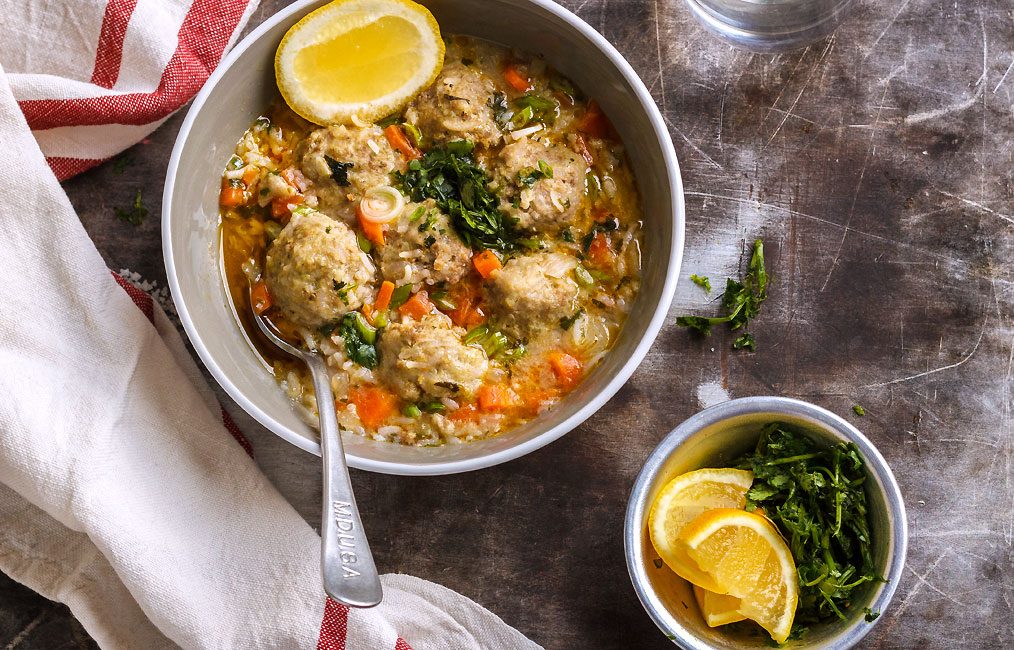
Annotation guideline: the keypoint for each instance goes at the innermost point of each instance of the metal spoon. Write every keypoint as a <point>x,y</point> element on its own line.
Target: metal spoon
<point>349,572</point>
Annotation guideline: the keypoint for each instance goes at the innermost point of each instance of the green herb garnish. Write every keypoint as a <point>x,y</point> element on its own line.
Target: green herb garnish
<point>870,615</point>
<point>339,170</point>
<point>412,411</point>
<point>703,282</point>
<point>816,497</point>
<point>449,175</point>
<point>400,295</point>
<point>501,110</point>
<point>859,410</point>
<point>360,339</point>
<point>495,344</point>
<point>568,321</point>
<point>534,108</point>
<point>135,214</point>
<point>528,176</point>
<point>741,300</point>
<point>342,289</point>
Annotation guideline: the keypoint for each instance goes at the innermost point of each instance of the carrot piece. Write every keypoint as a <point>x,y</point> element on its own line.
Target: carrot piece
<point>280,205</point>
<point>486,262</point>
<point>566,368</point>
<point>373,231</point>
<point>384,296</point>
<point>594,122</point>
<point>232,197</point>
<point>260,299</point>
<point>250,175</point>
<point>497,397</point>
<point>417,306</point>
<point>517,81</point>
<point>464,413</point>
<point>374,405</point>
<point>397,138</point>
<point>600,252</point>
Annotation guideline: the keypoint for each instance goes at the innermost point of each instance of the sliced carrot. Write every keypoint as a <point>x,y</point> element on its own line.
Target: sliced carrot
<point>396,137</point>
<point>486,262</point>
<point>417,306</point>
<point>497,397</point>
<point>534,399</point>
<point>368,313</point>
<point>280,206</point>
<point>374,405</point>
<point>566,368</point>
<point>517,81</point>
<point>384,296</point>
<point>600,252</point>
<point>250,175</point>
<point>464,413</point>
<point>260,299</point>
<point>594,122</point>
<point>373,231</point>
<point>232,197</point>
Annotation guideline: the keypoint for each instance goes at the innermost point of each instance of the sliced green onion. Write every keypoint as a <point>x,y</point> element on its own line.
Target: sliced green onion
<point>365,244</point>
<point>546,170</point>
<point>380,320</point>
<point>412,411</point>
<point>583,277</point>
<point>272,229</point>
<point>367,331</point>
<point>432,407</point>
<point>234,163</point>
<point>414,133</point>
<point>443,301</point>
<point>475,334</point>
<point>592,185</point>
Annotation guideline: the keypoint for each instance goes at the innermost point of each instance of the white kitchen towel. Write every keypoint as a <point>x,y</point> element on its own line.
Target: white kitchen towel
<point>121,493</point>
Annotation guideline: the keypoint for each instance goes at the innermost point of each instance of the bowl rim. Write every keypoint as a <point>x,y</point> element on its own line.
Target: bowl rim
<point>638,504</point>
<point>651,331</point>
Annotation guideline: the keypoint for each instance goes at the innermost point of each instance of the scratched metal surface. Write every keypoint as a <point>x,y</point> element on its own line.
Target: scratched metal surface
<point>876,165</point>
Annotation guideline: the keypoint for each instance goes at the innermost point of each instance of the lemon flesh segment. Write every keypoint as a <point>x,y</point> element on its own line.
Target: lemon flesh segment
<point>718,609</point>
<point>681,501</point>
<point>358,58</point>
<point>747,557</point>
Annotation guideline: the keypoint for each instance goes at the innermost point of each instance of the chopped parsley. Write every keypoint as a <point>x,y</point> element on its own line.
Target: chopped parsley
<point>870,615</point>
<point>568,321</point>
<point>528,176</point>
<point>342,289</point>
<point>339,170</point>
<point>567,236</point>
<point>501,110</point>
<point>449,175</point>
<point>816,497</point>
<point>609,225</point>
<point>360,339</point>
<point>741,300</point>
<point>859,410</point>
<point>135,214</point>
<point>703,282</point>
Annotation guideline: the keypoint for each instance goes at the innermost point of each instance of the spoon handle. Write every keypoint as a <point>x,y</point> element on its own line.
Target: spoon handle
<point>350,574</point>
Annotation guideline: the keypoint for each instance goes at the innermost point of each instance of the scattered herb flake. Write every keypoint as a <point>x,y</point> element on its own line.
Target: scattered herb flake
<point>870,615</point>
<point>360,339</point>
<point>135,214</point>
<point>703,282</point>
<point>741,300</point>
<point>568,321</point>
<point>859,410</point>
<point>339,170</point>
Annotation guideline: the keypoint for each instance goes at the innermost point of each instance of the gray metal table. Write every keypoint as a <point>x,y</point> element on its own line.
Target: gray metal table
<point>877,167</point>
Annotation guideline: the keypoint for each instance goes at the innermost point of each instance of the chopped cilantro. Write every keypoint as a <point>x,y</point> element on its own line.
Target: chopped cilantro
<point>568,321</point>
<point>701,281</point>
<point>339,170</point>
<point>135,214</point>
<point>342,289</point>
<point>360,339</point>
<point>741,300</point>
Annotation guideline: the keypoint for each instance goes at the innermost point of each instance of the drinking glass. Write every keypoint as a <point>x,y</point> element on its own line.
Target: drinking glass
<point>770,25</point>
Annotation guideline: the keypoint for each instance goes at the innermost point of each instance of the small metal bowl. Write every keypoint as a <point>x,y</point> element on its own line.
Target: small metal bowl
<point>714,438</point>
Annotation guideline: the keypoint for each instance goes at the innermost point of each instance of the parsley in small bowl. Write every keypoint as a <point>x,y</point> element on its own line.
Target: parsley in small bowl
<point>823,487</point>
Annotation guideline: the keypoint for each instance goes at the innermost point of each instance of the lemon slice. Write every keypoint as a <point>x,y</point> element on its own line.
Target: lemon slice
<point>718,609</point>
<point>747,557</point>
<point>680,502</point>
<point>360,59</point>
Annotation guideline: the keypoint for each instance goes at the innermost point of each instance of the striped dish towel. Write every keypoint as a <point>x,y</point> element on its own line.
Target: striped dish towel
<point>121,493</point>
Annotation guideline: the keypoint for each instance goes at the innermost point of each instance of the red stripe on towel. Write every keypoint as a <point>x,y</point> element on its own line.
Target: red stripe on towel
<point>402,644</point>
<point>334,626</point>
<point>110,50</point>
<point>202,38</point>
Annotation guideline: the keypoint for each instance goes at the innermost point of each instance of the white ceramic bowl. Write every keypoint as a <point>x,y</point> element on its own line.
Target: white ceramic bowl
<point>244,85</point>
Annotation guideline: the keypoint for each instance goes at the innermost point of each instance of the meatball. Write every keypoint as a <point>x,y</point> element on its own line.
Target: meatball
<point>427,358</point>
<point>532,292</point>
<point>372,160</point>
<point>456,106</point>
<point>316,272</point>
<point>540,185</point>
<point>424,248</point>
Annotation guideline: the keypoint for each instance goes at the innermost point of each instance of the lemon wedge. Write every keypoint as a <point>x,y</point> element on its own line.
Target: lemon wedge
<point>744,554</point>
<point>358,59</point>
<point>680,502</point>
<point>718,609</point>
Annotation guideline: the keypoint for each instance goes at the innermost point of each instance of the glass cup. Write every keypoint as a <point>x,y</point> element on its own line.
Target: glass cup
<point>770,25</point>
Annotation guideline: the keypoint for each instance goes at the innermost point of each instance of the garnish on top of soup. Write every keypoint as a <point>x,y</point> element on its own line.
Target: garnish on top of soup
<point>462,264</point>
